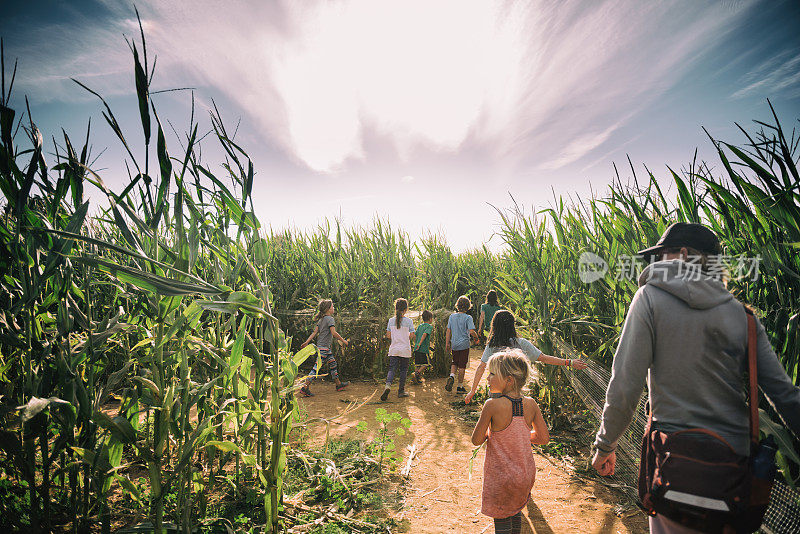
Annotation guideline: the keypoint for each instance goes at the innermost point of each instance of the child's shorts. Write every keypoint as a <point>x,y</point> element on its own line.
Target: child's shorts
<point>460,358</point>
<point>421,358</point>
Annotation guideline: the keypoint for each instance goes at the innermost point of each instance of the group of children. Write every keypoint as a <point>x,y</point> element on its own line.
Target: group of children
<point>509,422</point>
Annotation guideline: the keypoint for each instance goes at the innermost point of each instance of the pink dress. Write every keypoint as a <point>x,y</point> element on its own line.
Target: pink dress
<point>509,470</point>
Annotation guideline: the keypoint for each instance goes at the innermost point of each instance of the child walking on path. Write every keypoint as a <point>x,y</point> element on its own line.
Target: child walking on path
<point>400,330</point>
<point>503,335</point>
<point>460,331</point>
<point>510,423</point>
<point>326,330</point>
<point>488,309</point>
<point>422,351</point>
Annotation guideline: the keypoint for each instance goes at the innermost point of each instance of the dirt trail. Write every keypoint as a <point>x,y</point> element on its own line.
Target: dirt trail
<point>438,496</point>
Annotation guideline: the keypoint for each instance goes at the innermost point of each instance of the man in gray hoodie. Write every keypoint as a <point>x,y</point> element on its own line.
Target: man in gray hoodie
<point>686,335</point>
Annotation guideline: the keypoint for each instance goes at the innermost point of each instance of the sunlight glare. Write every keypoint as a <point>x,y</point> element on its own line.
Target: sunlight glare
<point>388,67</point>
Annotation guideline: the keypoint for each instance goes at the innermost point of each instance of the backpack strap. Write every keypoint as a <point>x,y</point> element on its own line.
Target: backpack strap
<point>516,404</point>
<point>752,371</point>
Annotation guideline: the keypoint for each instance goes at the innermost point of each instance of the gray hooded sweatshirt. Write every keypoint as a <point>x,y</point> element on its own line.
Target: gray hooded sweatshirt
<point>687,338</point>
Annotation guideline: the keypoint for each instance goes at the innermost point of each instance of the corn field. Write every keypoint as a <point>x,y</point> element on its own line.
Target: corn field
<point>754,208</point>
<point>157,334</point>
<point>139,338</point>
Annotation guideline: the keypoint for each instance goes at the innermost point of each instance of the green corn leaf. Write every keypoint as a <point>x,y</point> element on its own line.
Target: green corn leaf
<point>129,487</point>
<point>142,92</point>
<point>118,425</point>
<point>36,405</point>
<point>230,447</point>
<point>303,354</point>
<point>149,384</point>
<point>162,198</point>
<point>159,285</point>
<point>781,435</point>
<point>238,348</point>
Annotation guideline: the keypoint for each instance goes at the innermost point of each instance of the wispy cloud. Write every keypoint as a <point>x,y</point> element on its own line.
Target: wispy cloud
<point>536,83</point>
<point>580,147</point>
<point>780,75</point>
<point>49,56</point>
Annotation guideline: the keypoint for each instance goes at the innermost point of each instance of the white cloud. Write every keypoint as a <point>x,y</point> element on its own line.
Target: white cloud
<point>779,75</point>
<point>50,56</point>
<point>542,83</point>
<point>407,179</point>
<point>580,147</point>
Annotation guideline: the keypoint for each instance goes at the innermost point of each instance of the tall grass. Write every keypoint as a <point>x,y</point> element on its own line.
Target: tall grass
<point>155,302</point>
<point>141,338</point>
<point>754,207</point>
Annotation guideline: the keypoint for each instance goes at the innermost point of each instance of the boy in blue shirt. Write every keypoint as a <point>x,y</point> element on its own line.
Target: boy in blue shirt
<point>460,332</point>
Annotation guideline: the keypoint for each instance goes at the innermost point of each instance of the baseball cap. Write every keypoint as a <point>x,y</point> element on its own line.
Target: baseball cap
<point>683,234</point>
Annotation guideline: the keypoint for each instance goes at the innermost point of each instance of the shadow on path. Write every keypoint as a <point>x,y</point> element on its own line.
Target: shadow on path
<point>535,522</point>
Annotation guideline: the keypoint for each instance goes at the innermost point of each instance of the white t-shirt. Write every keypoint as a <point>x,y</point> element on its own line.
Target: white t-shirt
<point>401,344</point>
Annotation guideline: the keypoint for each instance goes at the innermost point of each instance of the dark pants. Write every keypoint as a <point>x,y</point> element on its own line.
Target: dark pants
<point>400,366</point>
<point>509,525</point>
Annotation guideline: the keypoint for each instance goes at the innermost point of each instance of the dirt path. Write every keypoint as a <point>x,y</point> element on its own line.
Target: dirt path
<point>439,497</point>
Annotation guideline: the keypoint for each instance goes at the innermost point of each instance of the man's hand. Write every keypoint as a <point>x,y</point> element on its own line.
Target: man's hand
<point>604,463</point>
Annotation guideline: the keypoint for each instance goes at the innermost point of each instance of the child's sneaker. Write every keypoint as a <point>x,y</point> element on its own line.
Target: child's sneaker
<point>415,378</point>
<point>401,394</point>
<point>449,386</point>
<point>342,385</point>
<point>461,390</point>
<point>305,392</point>
<point>385,394</point>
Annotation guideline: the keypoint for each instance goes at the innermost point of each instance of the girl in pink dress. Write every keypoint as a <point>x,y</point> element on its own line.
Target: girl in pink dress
<point>510,423</point>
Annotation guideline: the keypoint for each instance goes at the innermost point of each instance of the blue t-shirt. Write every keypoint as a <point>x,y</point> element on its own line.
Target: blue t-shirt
<point>523,344</point>
<point>460,324</point>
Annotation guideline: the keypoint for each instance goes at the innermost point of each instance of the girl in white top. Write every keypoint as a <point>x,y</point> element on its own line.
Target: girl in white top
<point>400,330</point>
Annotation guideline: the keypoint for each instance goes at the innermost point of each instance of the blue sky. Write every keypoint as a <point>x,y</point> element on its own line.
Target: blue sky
<point>424,113</point>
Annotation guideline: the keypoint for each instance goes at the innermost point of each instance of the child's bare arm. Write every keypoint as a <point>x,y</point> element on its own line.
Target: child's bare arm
<point>540,434</point>
<point>447,340</point>
<point>552,360</point>
<point>312,336</point>
<point>388,335</point>
<point>412,337</point>
<point>422,339</point>
<point>474,335</point>
<point>476,381</point>
<point>335,334</point>
<point>479,434</point>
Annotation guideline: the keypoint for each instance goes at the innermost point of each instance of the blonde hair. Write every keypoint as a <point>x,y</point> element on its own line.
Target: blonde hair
<point>322,308</point>
<point>463,304</point>
<point>510,363</point>
<point>400,307</point>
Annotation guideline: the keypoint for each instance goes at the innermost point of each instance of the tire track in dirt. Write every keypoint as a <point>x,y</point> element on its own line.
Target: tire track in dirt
<point>439,496</point>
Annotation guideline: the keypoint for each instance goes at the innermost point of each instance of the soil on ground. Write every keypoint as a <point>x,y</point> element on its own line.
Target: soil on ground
<point>438,495</point>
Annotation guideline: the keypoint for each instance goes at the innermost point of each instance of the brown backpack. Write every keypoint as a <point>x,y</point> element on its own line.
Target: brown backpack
<point>695,478</point>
